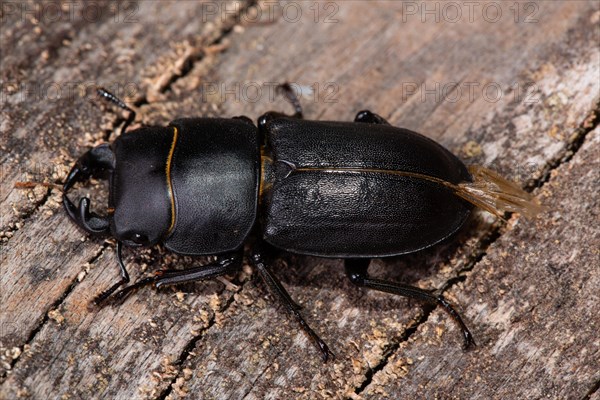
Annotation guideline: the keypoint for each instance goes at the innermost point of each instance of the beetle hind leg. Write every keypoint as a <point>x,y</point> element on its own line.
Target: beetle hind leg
<point>278,291</point>
<point>356,269</point>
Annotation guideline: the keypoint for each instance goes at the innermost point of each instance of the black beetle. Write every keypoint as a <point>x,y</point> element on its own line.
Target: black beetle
<point>352,190</point>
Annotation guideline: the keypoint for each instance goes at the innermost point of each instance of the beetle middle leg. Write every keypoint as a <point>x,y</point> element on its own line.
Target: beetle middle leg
<point>356,269</point>
<point>225,264</point>
<point>277,290</point>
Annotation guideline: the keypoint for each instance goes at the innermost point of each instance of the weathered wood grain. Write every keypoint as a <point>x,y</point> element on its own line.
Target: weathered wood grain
<point>213,341</point>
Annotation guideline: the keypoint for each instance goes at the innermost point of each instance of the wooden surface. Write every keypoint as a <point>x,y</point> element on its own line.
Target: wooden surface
<point>528,289</point>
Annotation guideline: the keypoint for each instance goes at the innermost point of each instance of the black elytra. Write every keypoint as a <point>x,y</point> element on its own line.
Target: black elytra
<point>352,190</point>
<point>343,192</point>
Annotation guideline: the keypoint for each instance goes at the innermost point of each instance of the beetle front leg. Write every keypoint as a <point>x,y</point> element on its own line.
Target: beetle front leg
<point>225,264</point>
<point>356,269</point>
<point>124,278</point>
<point>277,290</point>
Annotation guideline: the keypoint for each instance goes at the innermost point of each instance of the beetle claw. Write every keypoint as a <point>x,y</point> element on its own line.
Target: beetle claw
<point>326,354</point>
<point>124,293</point>
<point>469,340</point>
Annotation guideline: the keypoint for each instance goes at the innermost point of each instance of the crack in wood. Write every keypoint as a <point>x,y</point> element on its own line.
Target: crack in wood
<point>55,305</point>
<point>595,387</point>
<point>25,217</point>
<point>393,347</point>
<point>260,375</point>
<point>186,64</point>
<point>189,347</point>
<point>590,123</point>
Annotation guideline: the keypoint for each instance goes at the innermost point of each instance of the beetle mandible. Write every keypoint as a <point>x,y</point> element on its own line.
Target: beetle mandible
<point>351,190</point>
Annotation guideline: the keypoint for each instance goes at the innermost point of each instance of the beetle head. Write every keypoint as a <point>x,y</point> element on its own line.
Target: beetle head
<point>139,208</point>
<point>140,202</point>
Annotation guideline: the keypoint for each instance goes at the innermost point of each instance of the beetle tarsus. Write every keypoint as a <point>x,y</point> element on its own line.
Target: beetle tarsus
<point>124,293</point>
<point>278,291</point>
<point>100,298</point>
<point>469,341</point>
<point>356,269</point>
<point>223,266</point>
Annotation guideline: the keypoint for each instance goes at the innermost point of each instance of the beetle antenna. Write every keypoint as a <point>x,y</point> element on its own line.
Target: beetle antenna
<point>106,95</point>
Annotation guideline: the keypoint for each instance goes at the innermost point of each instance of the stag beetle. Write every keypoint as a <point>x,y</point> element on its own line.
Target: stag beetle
<point>352,190</point>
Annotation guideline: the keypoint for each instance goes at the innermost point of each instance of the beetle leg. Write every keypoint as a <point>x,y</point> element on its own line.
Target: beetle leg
<point>224,265</point>
<point>356,269</point>
<point>290,96</point>
<point>105,94</point>
<point>277,290</point>
<point>124,278</point>
<point>369,117</point>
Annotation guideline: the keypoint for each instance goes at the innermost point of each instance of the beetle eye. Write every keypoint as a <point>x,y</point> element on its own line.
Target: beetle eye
<point>139,238</point>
